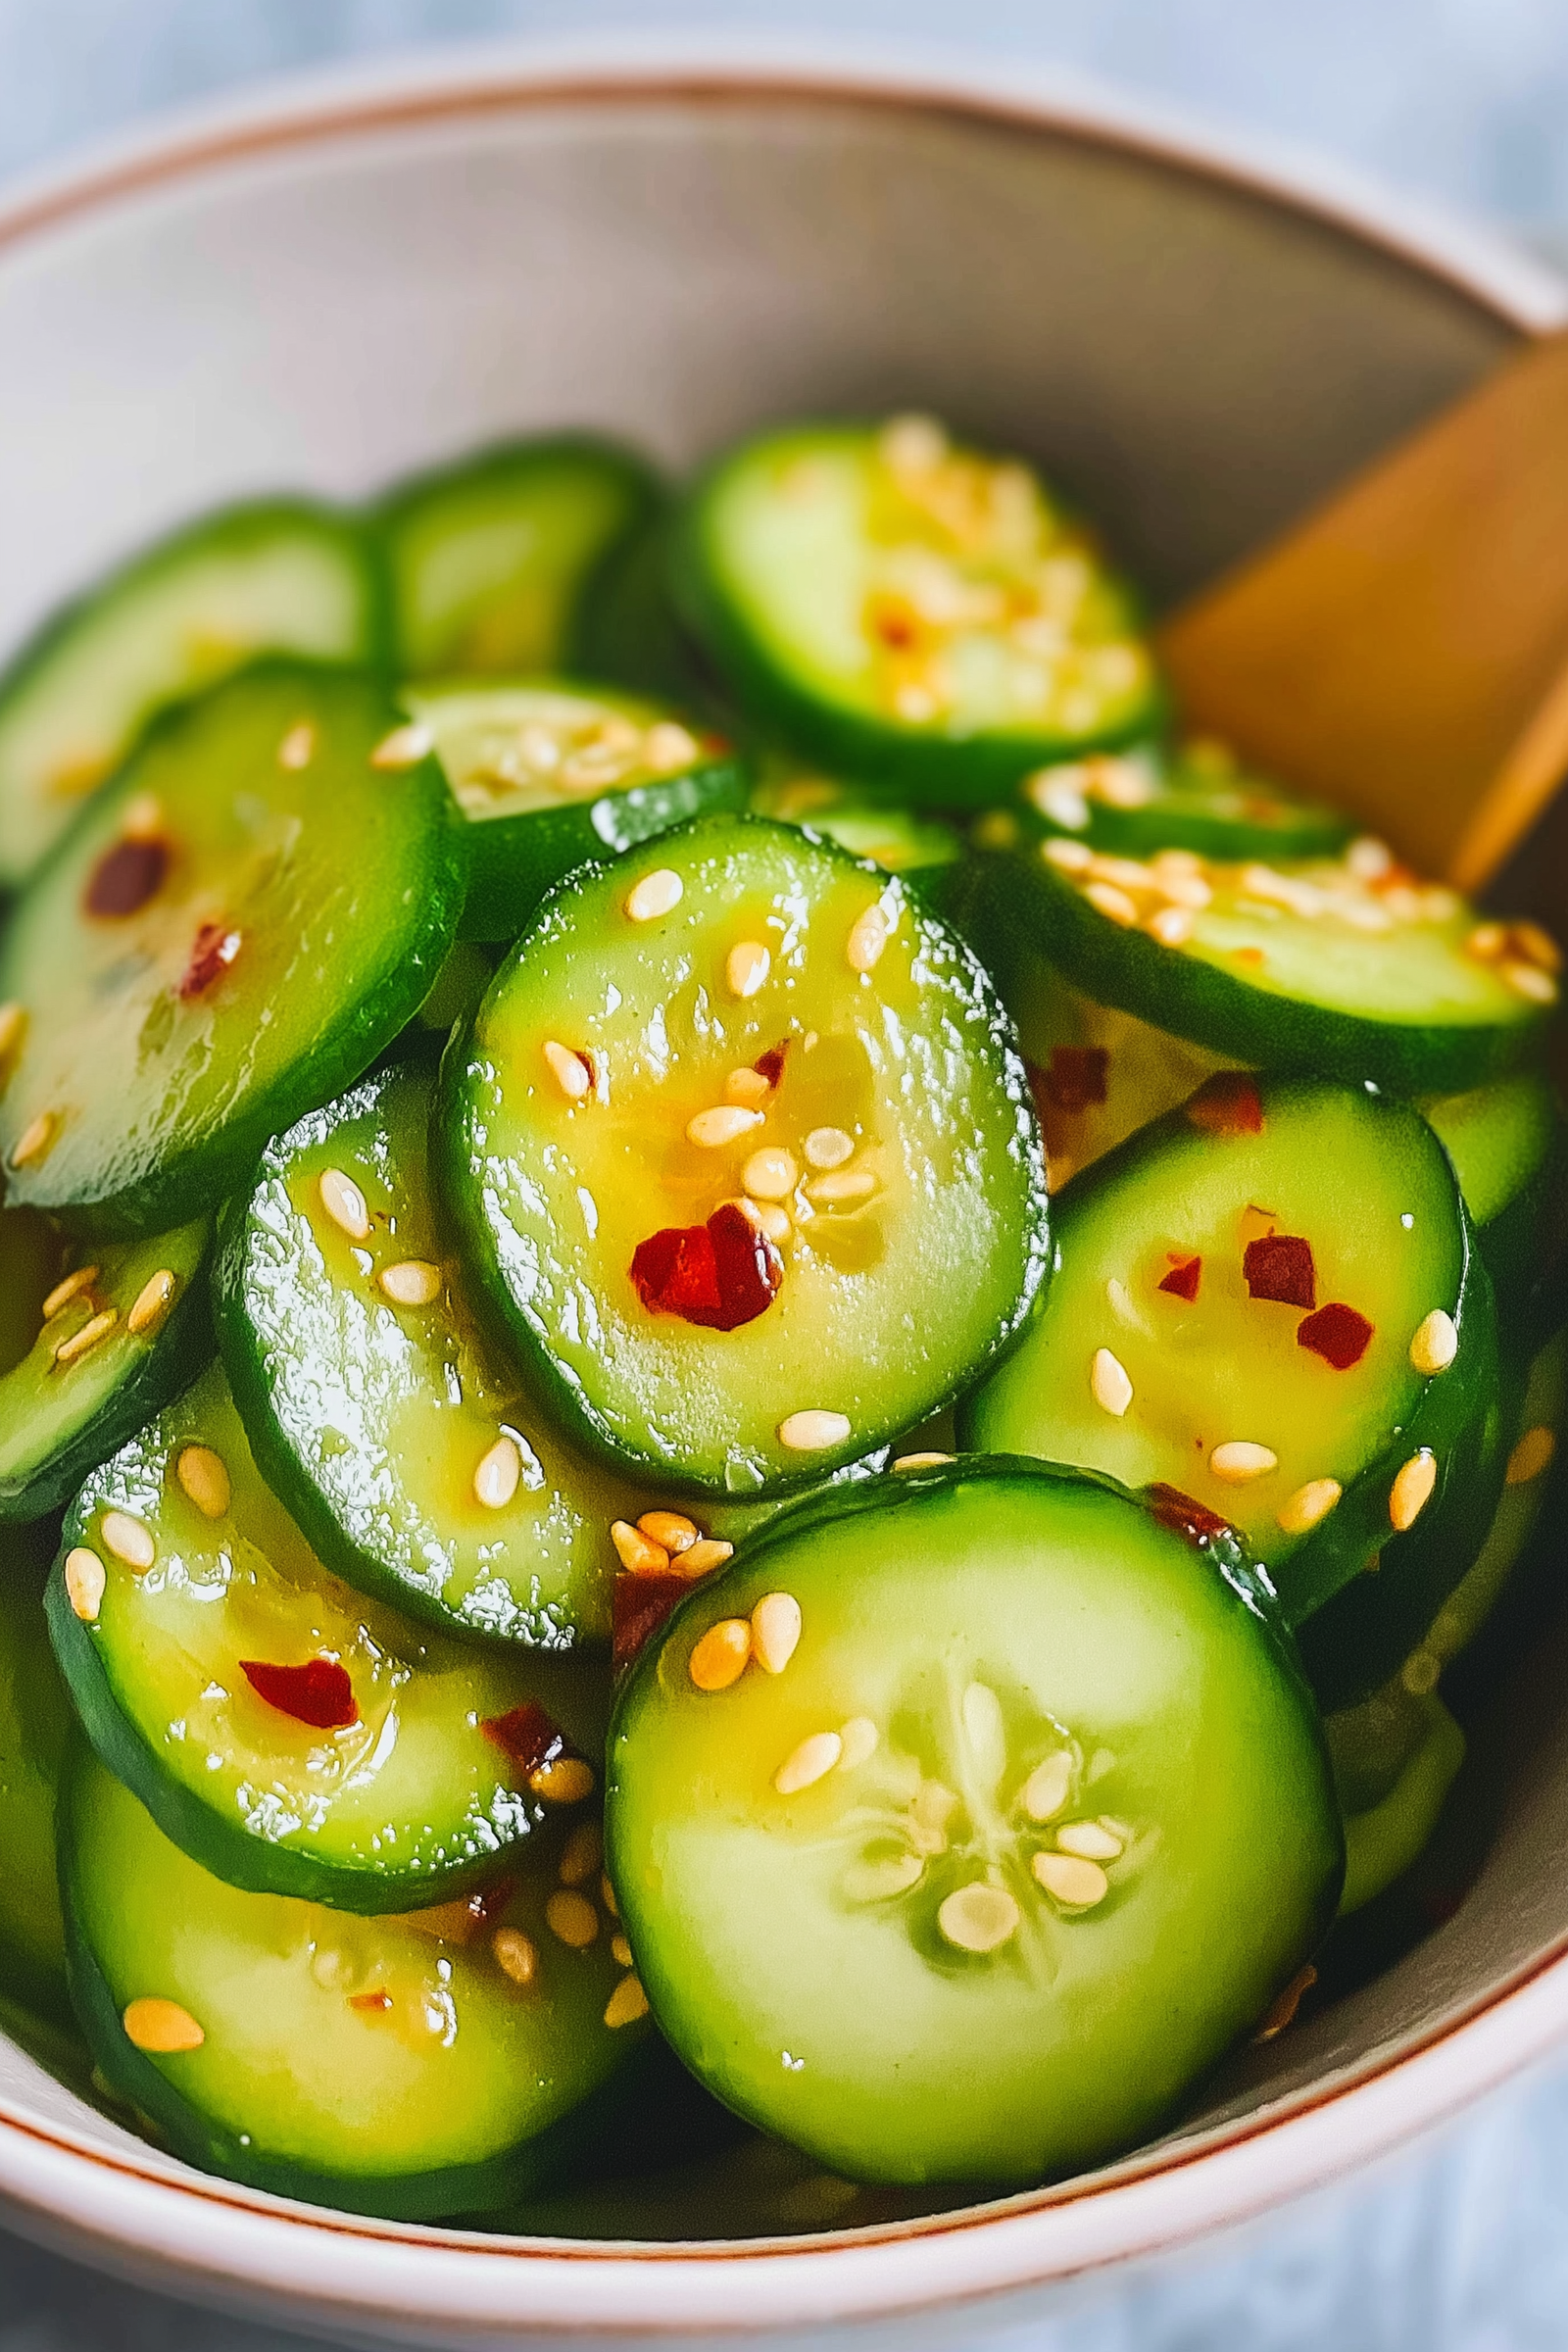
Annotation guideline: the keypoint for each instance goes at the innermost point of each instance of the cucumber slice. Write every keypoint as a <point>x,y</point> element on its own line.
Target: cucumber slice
<point>1508,1142</point>
<point>390,2066</point>
<point>739,1006</point>
<point>32,1256</point>
<point>34,1726</point>
<point>1234,1318</point>
<point>549,774</point>
<point>489,559</point>
<point>1030,1822</point>
<point>629,633</point>
<point>1343,966</point>
<point>899,605</point>
<point>128,1329</point>
<point>232,933</point>
<point>280,575</point>
<point>289,1735</point>
<point>1195,797</point>
<point>900,841</point>
<point>379,1424</point>
<point>1383,1840</point>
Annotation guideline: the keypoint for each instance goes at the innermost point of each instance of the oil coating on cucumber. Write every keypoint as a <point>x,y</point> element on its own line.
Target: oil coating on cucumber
<point>401,1438</point>
<point>489,559</point>
<point>1269,1307</point>
<point>899,606</point>
<point>1136,802</point>
<point>1343,966</point>
<point>123,1330</point>
<point>280,576</point>
<point>234,931</point>
<point>1019,1817</point>
<point>902,841</point>
<point>739,1014</point>
<point>34,1727</point>
<point>433,2064</point>
<point>292,1736</point>
<point>549,773</point>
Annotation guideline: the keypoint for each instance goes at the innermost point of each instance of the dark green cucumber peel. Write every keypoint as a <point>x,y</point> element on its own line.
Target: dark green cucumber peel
<point>34,1728</point>
<point>1150,799</point>
<point>244,950</point>
<point>1510,1146</point>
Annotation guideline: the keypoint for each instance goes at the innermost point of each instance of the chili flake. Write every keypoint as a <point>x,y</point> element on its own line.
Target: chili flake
<point>1279,1267</point>
<point>1337,1332</point>
<point>318,1693</point>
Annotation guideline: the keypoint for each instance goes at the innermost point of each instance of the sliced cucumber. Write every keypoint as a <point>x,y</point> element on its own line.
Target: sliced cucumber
<point>288,1734</point>
<point>1509,1147</point>
<point>629,633</point>
<point>34,1726</point>
<point>489,559</point>
<point>1381,1840</point>
<point>232,932</point>
<point>32,1256</point>
<point>1030,1822</point>
<point>1252,1302</point>
<point>128,1329</point>
<point>414,2067</point>
<point>1136,802</point>
<point>549,774</point>
<point>740,1011</point>
<point>280,575</point>
<point>902,841</point>
<point>400,1438</point>
<point>1343,966</point>
<point>899,606</point>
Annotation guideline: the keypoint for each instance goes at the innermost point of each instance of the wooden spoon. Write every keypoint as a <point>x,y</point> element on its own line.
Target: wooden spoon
<point>1405,650</point>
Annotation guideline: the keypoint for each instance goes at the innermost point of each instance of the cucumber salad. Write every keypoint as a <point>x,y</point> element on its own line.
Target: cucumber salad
<point>773,1390</point>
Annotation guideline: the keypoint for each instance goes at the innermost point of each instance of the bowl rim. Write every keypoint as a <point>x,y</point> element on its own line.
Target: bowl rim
<point>145,2215</point>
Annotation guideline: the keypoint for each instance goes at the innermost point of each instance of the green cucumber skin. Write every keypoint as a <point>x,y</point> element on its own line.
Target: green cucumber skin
<point>1177,820</point>
<point>183,1349</point>
<point>1195,1000</point>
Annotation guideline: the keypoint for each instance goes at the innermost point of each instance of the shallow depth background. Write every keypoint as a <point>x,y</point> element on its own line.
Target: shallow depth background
<point>1461,2246</point>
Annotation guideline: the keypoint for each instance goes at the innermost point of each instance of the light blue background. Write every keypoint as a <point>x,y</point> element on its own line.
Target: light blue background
<point>1459,2246</point>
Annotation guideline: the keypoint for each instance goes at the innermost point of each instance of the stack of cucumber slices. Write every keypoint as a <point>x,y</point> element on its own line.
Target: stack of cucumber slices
<point>769,1360</point>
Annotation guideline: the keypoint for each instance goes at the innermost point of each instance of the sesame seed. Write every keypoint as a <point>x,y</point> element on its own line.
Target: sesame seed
<point>920,1461</point>
<point>1528,980</point>
<point>1411,1489</point>
<point>344,1203</point>
<point>621,1950</point>
<point>161,2027</point>
<point>724,1124</point>
<point>1109,1383</point>
<point>517,1954</point>
<point>1075,1882</point>
<point>405,747</point>
<point>73,1285</point>
<point>776,1631</point>
<point>1308,1504</point>
<point>1239,1461</point>
<point>860,1740</point>
<point>1180,875</point>
<point>1487,942</point>
<point>1045,1791</point>
<point>770,1174</point>
<point>1058,793</point>
<point>978,1918</point>
<point>719,1657</point>
<point>13,1021</point>
<point>659,893</point>
<point>412,1282</point>
<point>571,1918</point>
<point>129,1540</point>
<point>828,1147</point>
<point>1069,857</point>
<point>813,1431</point>
<point>204,1477</point>
<point>35,1140</point>
<point>298,746</point>
<point>85,1580</point>
<point>747,966</point>
<point>1172,926</point>
<point>704,1556</point>
<point>1090,1840</point>
<point>845,1183</point>
<point>1531,1455</point>
<point>912,444</point>
<point>671,1528</point>
<point>498,1474</point>
<point>868,936</point>
<point>1536,946</point>
<point>153,1303</point>
<point>771,1219</point>
<point>808,1763</point>
<point>1435,1343</point>
<point>569,1070</point>
<point>581,1854</point>
<point>607,1895</point>
<point>1367,858</point>
<point>669,746</point>
<point>1123,874</point>
<point>91,1335</point>
<point>748,1088</point>
<point>1112,902</point>
<point>638,1552</point>
<point>626,2004</point>
<point>565,1781</point>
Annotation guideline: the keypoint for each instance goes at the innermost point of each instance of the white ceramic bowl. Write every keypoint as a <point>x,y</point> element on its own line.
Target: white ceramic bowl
<point>324,287</point>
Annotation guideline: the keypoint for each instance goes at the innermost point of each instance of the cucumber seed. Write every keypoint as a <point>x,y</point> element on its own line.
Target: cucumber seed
<point>1308,1504</point>
<point>161,2027</point>
<point>344,1203</point>
<point>81,1342</point>
<point>847,1184</point>
<point>1075,1883</point>
<point>204,1478</point>
<point>813,1431</point>
<point>73,1285</point>
<point>748,1088</point>
<point>1109,1383</point>
<point>571,1918</point>
<point>1435,1343</point>
<point>808,1763</point>
<point>747,966</point>
<point>412,1282</point>
<point>129,1540</point>
<point>153,1303</point>
<point>85,1579</point>
<point>978,1918</point>
<point>776,1631</point>
<point>868,937</point>
<point>572,1072</point>
<point>861,1740</point>
<point>659,893</point>
<point>498,1474</point>
<point>405,747</point>
<point>920,1461</point>
<point>719,1657</point>
<point>1411,1489</point>
<point>770,1174</point>
<point>516,1954</point>
<point>1090,1840</point>
<point>828,1147</point>
<point>1045,1791</point>
<point>1239,1461</point>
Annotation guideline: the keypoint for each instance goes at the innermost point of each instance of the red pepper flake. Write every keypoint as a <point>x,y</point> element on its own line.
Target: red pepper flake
<point>215,951</point>
<point>1228,1104</point>
<point>718,1275</point>
<point>527,1736</point>
<point>1075,1078</point>
<point>1249,955</point>
<point>125,877</point>
<point>371,2001</point>
<point>640,1603</point>
<point>1186,1273</point>
<point>770,1065</point>
<point>318,1693</point>
<point>1279,1267</point>
<point>1193,1520</point>
<point>1337,1332</point>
